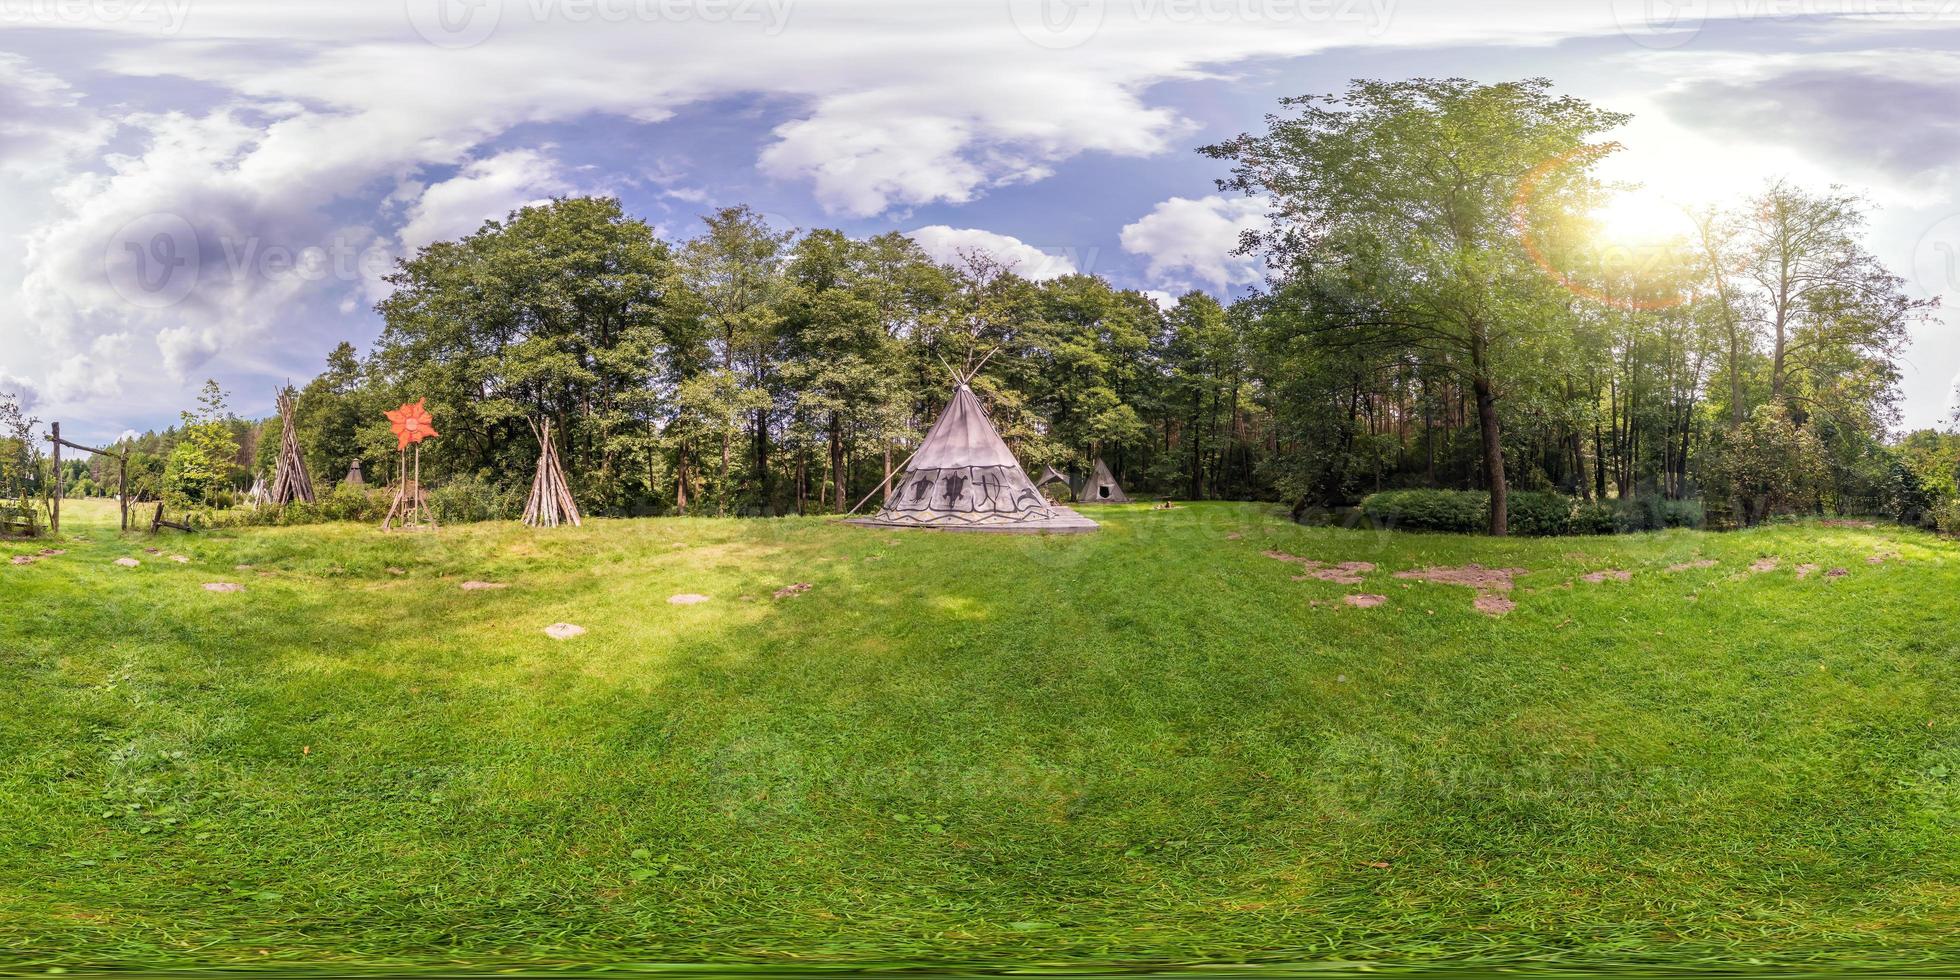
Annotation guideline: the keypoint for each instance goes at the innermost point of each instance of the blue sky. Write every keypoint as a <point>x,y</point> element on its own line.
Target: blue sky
<point>211,188</point>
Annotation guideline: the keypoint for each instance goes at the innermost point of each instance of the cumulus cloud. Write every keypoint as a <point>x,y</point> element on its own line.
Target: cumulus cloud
<point>950,246</point>
<point>1184,240</point>
<point>485,189</point>
<point>43,124</point>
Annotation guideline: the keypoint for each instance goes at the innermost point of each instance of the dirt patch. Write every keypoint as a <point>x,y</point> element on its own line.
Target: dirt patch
<point>1762,565</point>
<point>223,587</point>
<point>1804,571</point>
<point>397,571</point>
<point>1364,600</point>
<point>474,586</point>
<point>1837,573</point>
<point>1688,566</point>
<point>128,562</point>
<point>180,559</point>
<point>1345,573</point>
<point>563,631</point>
<point>1880,559</point>
<point>1234,536</point>
<point>686,599</point>
<point>1491,604</point>
<point>1473,575</point>
<point>153,551</point>
<point>52,552</point>
<point>25,559</point>
<point>1603,574</point>
<point>797,588</point>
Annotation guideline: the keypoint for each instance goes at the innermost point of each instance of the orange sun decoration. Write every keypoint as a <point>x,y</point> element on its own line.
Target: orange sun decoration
<point>412,423</point>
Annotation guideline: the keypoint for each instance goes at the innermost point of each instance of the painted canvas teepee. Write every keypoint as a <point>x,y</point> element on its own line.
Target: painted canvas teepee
<point>290,483</point>
<point>964,478</point>
<point>1101,487</point>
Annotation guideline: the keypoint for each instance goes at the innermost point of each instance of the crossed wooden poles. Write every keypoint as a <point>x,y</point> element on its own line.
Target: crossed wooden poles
<point>122,476</point>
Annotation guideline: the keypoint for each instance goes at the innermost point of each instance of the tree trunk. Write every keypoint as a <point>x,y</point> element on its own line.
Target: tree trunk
<point>837,458</point>
<point>1500,522</point>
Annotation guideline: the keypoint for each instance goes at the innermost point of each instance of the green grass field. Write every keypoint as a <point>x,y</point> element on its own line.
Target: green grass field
<point>1148,745</point>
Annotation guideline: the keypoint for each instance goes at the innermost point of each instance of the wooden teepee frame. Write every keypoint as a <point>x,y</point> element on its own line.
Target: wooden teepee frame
<point>290,483</point>
<point>551,498</point>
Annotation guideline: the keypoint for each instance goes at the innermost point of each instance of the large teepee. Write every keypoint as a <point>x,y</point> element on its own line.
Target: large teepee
<point>964,478</point>
<point>1101,487</point>
<point>289,483</point>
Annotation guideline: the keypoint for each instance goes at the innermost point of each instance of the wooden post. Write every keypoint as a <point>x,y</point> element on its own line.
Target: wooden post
<point>122,488</point>
<point>54,517</point>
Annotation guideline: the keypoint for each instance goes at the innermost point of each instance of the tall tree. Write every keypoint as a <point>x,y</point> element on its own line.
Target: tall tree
<point>1408,208</point>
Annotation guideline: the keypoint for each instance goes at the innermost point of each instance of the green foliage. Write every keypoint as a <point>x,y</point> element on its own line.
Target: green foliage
<point>468,499</point>
<point>1540,515</point>
<point>1768,465</point>
<point>202,463</point>
<point>1463,511</point>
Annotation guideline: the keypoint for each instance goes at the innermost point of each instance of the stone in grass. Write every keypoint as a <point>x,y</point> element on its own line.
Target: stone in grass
<point>128,562</point>
<point>563,631</point>
<point>223,587</point>
<point>686,599</point>
<point>473,586</point>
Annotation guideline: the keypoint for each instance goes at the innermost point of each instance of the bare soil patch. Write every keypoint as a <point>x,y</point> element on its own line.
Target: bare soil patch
<point>52,552</point>
<point>1491,604</point>
<point>1473,575</point>
<point>686,599</point>
<point>128,562</point>
<point>180,559</point>
<point>1603,574</point>
<point>1692,565</point>
<point>1364,600</point>
<point>797,588</point>
<point>25,559</point>
<point>1761,565</point>
<point>563,631</point>
<point>474,586</point>
<point>1345,573</point>
<point>223,587</point>
<point>1837,573</point>
<point>1804,571</point>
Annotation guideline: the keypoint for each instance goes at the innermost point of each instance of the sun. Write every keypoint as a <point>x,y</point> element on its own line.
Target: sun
<point>1639,217</point>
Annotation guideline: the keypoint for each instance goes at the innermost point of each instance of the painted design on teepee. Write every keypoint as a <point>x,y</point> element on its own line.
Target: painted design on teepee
<point>963,475</point>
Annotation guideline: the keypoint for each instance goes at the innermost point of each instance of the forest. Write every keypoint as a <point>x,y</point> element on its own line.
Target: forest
<point>1443,310</point>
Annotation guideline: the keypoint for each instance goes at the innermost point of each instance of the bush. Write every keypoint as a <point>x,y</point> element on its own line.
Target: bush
<point>1539,514</point>
<point>468,499</point>
<point>1465,511</point>
<point>1643,514</point>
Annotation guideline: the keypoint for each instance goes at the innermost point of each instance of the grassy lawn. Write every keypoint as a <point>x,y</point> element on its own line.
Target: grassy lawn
<point>1146,745</point>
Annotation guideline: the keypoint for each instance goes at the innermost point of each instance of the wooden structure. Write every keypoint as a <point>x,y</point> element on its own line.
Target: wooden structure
<point>354,478</point>
<point>122,477</point>
<point>158,522</point>
<point>551,498</point>
<point>290,483</point>
<point>258,495</point>
<point>411,424</point>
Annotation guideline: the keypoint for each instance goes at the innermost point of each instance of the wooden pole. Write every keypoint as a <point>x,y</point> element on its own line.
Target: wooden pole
<point>54,518</point>
<point>122,488</point>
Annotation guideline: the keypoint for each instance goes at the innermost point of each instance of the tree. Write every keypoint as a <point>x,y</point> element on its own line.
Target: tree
<point>1767,465</point>
<point>20,457</point>
<point>1406,210</point>
<point>200,465</point>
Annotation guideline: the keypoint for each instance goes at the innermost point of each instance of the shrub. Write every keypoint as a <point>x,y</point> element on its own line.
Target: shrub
<point>1597,517</point>
<point>468,499</point>
<point>1429,510</point>
<point>1643,514</point>
<point>1539,514</point>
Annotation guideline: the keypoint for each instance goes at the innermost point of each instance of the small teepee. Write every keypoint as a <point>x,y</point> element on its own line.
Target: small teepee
<point>289,482</point>
<point>964,478</point>
<point>354,477</point>
<point>551,500</point>
<point>259,495</point>
<point>1049,474</point>
<point>1101,487</point>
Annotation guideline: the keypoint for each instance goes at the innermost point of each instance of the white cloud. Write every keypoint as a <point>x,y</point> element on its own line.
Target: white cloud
<point>1184,240</point>
<point>485,189</point>
<point>950,246</point>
